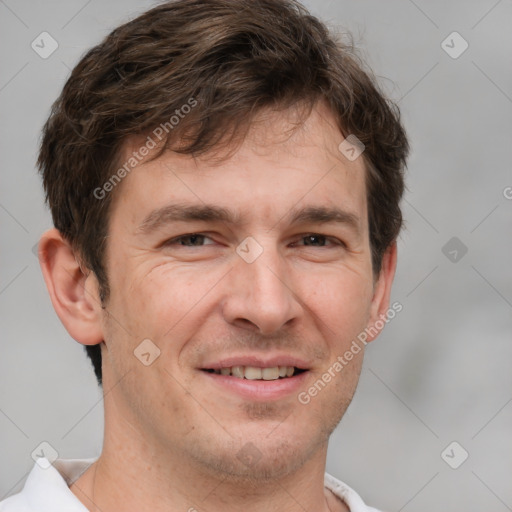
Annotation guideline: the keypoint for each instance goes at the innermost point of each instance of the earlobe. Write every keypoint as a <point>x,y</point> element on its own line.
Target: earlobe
<point>382,292</point>
<point>73,293</point>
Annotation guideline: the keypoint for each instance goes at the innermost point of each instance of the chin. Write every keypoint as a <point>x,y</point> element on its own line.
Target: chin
<point>258,458</point>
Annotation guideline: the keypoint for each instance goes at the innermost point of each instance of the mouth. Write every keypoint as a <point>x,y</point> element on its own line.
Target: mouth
<point>254,379</point>
<point>257,373</point>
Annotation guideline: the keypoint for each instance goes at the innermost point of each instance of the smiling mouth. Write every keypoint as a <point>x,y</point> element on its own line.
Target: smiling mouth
<point>255,373</point>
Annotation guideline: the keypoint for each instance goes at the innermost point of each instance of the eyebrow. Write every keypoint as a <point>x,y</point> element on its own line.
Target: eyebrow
<point>212,213</point>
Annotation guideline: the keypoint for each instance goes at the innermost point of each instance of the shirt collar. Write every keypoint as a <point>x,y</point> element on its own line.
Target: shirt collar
<point>47,485</point>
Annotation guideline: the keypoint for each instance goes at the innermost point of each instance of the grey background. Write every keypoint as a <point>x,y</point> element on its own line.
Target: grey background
<point>441,370</point>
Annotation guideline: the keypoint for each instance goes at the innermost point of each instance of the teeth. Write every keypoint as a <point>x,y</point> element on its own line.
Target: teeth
<point>237,371</point>
<point>252,373</point>
<point>270,373</point>
<point>255,373</point>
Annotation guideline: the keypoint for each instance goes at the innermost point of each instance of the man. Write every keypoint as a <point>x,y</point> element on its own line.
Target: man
<point>224,180</point>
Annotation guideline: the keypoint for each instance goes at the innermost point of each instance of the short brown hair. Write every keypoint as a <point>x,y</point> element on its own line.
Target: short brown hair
<point>233,58</point>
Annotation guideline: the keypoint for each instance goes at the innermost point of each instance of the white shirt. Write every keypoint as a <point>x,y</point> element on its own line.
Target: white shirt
<point>47,489</point>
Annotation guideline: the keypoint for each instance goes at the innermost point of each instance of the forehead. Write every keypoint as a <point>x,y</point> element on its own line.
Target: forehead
<point>279,163</point>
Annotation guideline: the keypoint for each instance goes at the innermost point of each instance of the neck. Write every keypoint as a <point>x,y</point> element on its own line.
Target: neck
<point>141,480</point>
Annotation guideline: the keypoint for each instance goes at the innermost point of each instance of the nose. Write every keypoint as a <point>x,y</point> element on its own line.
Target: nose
<point>259,295</point>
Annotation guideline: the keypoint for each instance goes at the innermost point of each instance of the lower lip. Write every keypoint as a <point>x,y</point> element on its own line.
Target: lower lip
<point>259,390</point>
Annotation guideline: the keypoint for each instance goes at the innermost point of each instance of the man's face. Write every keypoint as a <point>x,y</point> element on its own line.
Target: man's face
<point>206,305</point>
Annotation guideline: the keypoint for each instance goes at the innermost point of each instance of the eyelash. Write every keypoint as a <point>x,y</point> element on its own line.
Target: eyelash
<point>176,240</point>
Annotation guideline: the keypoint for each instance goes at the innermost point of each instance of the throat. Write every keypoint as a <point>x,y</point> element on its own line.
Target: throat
<point>334,503</point>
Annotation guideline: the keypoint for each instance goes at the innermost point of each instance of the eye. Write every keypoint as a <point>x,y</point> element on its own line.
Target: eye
<point>189,240</point>
<point>199,240</point>
<point>315,238</point>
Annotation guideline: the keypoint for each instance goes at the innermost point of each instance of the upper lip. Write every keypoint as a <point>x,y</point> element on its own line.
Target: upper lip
<point>257,362</point>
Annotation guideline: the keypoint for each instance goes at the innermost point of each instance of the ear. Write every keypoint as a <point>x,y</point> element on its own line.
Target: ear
<point>74,295</point>
<point>382,292</point>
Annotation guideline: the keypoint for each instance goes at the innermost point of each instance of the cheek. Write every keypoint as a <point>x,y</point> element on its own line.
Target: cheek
<point>341,300</point>
<point>160,304</point>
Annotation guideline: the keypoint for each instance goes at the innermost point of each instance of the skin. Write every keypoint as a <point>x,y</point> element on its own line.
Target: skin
<point>171,438</point>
